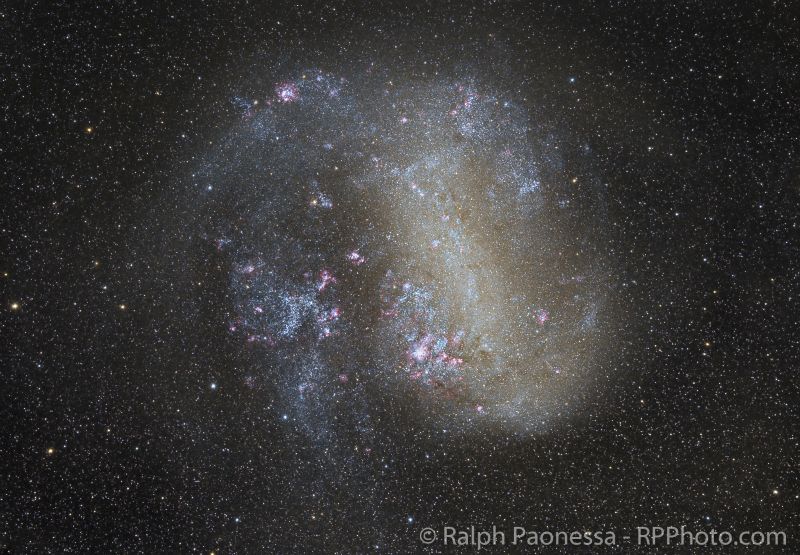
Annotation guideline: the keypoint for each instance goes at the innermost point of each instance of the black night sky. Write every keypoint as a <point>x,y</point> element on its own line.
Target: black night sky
<point>315,277</point>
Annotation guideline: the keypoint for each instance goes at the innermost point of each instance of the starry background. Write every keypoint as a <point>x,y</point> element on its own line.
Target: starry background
<point>148,407</point>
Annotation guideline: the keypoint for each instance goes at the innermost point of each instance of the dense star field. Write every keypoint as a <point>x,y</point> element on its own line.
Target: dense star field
<point>312,278</point>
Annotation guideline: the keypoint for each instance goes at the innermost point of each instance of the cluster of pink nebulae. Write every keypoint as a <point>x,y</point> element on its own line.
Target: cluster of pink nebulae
<point>430,353</point>
<point>326,277</point>
<point>430,348</point>
<point>355,258</point>
<point>271,311</point>
<point>541,315</point>
<point>287,92</point>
